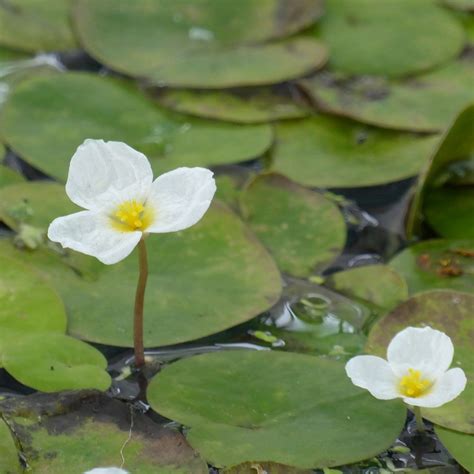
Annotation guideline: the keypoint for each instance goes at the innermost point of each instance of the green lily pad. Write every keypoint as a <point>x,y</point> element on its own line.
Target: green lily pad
<point>437,264</point>
<point>457,145</point>
<point>389,38</point>
<point>51,362</point>
<point>229,184</point>
<point>7,175</point>
<point>219,253</point>
<point>36,25</point>
<point>377,284</point>
<point>218,44</point>
<point>240,106</point>
<point>74,432</point>
<point>425,103</point>
<point>460,445</point>
<point>28,304</point>
<point>330,152</point>
<point>303,230</point>
<point>447,311</point>
<point>46,118</point>
<point>9,460</point>
<point>247,400</point>
<point>450,211</point>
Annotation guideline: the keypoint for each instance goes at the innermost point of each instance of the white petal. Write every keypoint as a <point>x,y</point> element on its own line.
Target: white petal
<point>180,198</point>
<point>103,174</point>
<point>445,389</point>
<point>90,232</point>
<point>424,349</point>
<point>374,374</point>
<point>107,470</point>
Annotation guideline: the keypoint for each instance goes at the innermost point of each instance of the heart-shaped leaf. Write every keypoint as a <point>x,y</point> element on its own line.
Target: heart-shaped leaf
<point>218,44</point>
<point>9,460</point>
<point>51,362</point>
<point>302,229</point>
<point>330,152</point>
<point>46,118</point>
<point>282,407</point>
<point>460,445</point>
<point>387,38</point>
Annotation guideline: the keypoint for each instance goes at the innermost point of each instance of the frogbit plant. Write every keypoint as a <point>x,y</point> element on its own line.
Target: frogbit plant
<point>416,370</point>
<point>114,183</point>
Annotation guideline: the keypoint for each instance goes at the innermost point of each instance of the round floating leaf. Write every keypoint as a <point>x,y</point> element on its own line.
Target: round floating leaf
<point>36,25</point>
<point>389,38</point>
<point>74,432</point>
<point>457,145</point>
<point>425,103</point>
<point>52,362</point>
<point>247,401</point>
<point>46,118</point>
<point>214,44</point>
<point>377,284</point>
<point>301,228</point>
<point>241,106</point>
<point>447,311</point>
<point>437,264</point>
<point>230,183</point>
<point>450,211</point>
<point>28,304</point>
<point>36,203</point>
<point>460,445</point>
<point>329,152</point>
<point>9,460</point>
<point>7,175</point>
<point>194,277</point>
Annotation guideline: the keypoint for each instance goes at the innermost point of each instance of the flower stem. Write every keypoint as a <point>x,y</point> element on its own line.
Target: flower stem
<point>139,303</point>
<point>420,426</point>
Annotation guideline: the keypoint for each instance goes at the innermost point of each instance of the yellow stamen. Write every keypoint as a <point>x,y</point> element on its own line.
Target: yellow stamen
<point>412,385</point>
<point>131,216</point>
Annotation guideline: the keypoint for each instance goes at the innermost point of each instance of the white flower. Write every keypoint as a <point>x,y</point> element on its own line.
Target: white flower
<point>416,369</point>
<point>107,470</point>
<point>114,183</point>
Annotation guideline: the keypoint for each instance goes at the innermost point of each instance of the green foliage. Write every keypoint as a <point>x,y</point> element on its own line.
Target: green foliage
<point>447,311</point>
<point>288,408</point>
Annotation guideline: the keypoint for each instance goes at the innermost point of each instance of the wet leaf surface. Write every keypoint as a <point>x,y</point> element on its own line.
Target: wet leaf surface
<point>460,445</point>
<point>447,311</point>
<point>28,303</point>
<point>210,45</point>
<point>241,106</point>
<point>437,264</point>
<point>377,284</point>
<point>46,118</point>
<point>330,152</point>
<point>247,400</point>
<point>9,461</point>
<point>219,253</point>
<point>264,467</point>
<point>51,362</point>
<point>389,38</point>
<point>424,103</point>
<point>7,175</point>
<point>302,229</point>
<point>36,25</point>
<point>77,431</point>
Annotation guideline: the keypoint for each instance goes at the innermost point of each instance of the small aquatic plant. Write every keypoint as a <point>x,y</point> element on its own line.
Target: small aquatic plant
<point>114,184</point>
<point>416,370</point>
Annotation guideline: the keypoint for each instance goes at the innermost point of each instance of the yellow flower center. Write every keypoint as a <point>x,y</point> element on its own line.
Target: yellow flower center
<point>412,385</point>
<point>131,216</point>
